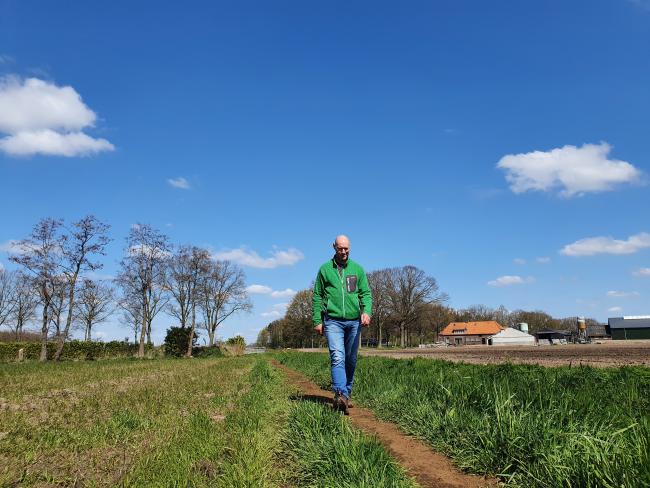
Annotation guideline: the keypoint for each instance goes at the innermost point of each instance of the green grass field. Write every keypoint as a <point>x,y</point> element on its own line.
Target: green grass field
<point>236,422</point>
<point>227,422</point>
<point>531,426</point>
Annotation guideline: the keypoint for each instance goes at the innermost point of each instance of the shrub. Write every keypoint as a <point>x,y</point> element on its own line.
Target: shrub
<point>236,341</point>
<point>234,346</point>
<point>176,341</point>
<point>207,352</point>
<point>73,350</point>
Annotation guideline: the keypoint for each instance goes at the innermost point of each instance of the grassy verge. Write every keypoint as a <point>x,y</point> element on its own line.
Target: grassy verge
<point>132,423</point>
<point>532,426</point>
<point>328,452</point>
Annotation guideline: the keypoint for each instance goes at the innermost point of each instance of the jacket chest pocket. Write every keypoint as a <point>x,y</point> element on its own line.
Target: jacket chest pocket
<point>351,283</point>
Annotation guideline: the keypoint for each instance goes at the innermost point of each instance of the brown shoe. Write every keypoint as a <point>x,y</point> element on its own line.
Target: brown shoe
<point>340,403</point>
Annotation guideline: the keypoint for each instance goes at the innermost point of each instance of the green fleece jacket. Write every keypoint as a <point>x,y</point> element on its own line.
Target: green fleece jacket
<point>342,293</point>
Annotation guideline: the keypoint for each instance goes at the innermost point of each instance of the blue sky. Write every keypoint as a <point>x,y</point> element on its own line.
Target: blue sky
<point>500,146</point>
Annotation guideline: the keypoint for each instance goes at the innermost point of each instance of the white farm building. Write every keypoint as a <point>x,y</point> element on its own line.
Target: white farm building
<point>512,337</point>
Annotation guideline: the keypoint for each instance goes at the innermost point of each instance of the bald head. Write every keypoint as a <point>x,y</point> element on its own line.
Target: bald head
<point>341,248</point>
<point>341,240</point>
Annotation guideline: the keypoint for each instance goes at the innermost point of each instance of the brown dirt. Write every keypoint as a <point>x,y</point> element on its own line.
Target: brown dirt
<point>428,467</point>
<point>607,354</point>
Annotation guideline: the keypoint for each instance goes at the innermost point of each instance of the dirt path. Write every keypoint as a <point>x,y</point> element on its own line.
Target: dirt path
<point>428,467</point>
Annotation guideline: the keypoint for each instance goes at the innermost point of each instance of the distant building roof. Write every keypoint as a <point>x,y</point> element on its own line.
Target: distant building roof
<point>510,332</point>
<point>552,334</point>
<point>629,322</point>
<point>489,327</point>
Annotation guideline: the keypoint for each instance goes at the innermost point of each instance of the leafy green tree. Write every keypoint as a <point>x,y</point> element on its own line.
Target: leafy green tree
<point>176,341</point>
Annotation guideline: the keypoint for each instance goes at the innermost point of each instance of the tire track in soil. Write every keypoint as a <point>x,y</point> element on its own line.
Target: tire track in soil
<point>429,468</point>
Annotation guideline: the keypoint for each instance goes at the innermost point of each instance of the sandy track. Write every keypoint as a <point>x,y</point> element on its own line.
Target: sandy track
<point>428,467</point>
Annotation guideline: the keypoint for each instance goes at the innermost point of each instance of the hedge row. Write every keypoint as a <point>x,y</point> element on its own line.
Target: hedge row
<point>73,350</point>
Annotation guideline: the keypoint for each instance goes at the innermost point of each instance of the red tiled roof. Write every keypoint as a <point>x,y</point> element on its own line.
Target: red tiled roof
<point>473,328</point>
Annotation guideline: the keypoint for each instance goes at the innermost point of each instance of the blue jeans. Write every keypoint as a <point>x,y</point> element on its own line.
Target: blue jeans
<point>343,343</point>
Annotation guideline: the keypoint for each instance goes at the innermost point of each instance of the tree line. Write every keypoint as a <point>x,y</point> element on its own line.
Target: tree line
<point>408,310</point>
<point>56,284</point>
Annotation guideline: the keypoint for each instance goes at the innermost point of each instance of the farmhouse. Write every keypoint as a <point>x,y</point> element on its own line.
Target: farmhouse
<point>630,327</point>
<point>461,333</point>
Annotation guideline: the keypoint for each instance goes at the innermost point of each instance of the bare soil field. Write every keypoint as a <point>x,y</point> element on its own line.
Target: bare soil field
<point>606,354</point>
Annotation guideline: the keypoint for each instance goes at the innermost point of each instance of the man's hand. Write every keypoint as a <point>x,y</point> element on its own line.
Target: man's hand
<point>365,320</point>
<point>319,329</point>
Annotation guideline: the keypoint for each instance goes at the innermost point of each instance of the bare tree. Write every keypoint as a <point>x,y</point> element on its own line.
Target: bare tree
<point>536,320</point>
<point>276,333</point>
<point>263,338</point>
<point>142,277</point>
<point>378,282</point>
<point>94,305</point>
<point>409,289</point>
<point>131,315</point>
<point>25,303</point>
<point>439,316</point>
<point>188,268</point>
<point>87,238</point>
<point>58,305</point>
<point>223,293</point>
<point>7,295</point>
<point>475,313</point>
<point>299,321</point>
<point>40,254</point>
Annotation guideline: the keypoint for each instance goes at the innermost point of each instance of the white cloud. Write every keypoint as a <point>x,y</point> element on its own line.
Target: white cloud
<point>148,251</point>
<point>2,267</point>
<point>642,272</point>
<point>250,258</point>
<point>286,293</point>
<point>543,260</point>
<point>95,276</point>
<point>644,4</point>
<point>519,261</point>
<point>272,313</point>
<point>179,182</point>
<point>615,309</point>
<point>42,118</point>
<point>508,280</point>
<point>622,294</point>
<point>51,143</point>
<point>277,310</point>
<point>259,289</point>
<point>607,245</point>
<point>569,169</point>
<point>12,246</point>
<point>267,290</point>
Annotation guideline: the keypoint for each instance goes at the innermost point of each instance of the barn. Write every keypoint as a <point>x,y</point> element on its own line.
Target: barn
<point>630,327</point>
<point>512,337</point>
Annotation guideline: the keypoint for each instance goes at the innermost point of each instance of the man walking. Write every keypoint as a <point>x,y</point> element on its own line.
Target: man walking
<point>342,304</point>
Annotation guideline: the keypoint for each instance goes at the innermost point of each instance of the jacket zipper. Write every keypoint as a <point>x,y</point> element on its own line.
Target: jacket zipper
<point>341,273</point>
<point>343,290</point>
